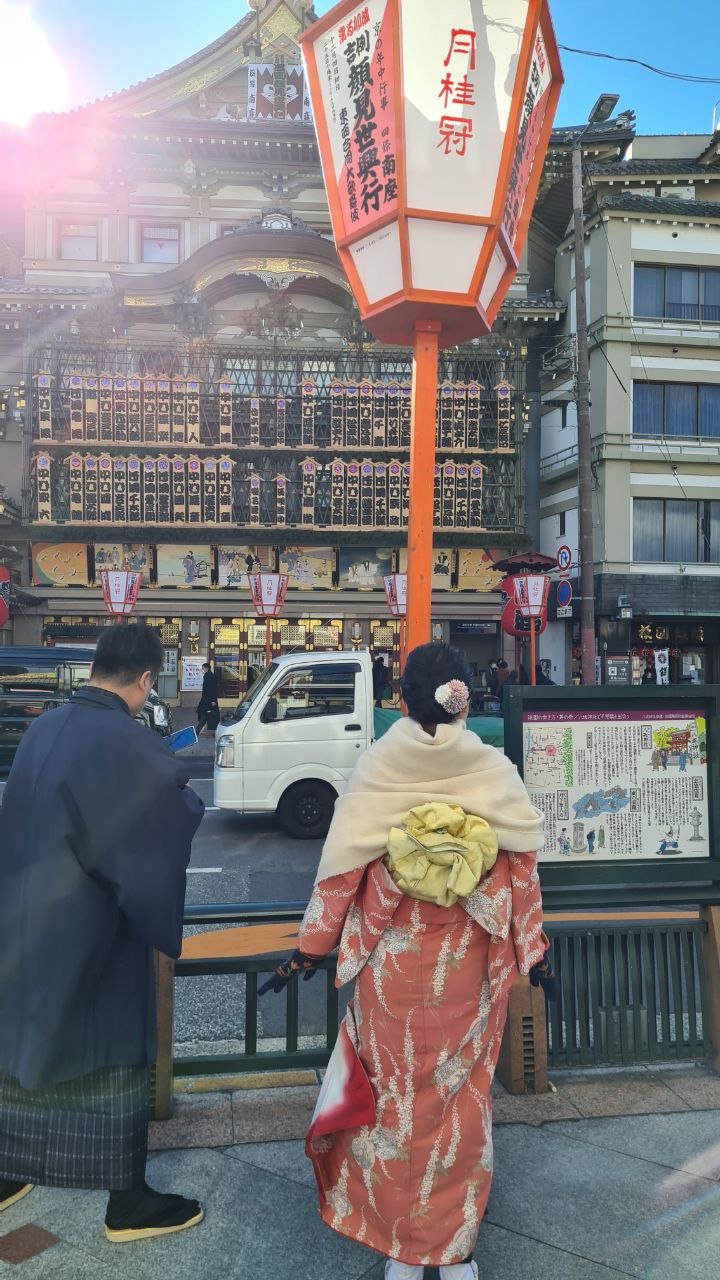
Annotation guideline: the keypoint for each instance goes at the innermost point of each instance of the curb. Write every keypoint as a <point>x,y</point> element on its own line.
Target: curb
<point>225,1111</point>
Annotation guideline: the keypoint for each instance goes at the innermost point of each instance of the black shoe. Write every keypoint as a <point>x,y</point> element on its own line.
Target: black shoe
<point>11,1192</point>
<point>147,1213</point>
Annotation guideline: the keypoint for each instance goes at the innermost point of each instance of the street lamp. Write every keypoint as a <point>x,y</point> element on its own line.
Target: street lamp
<point>268,594</point>
<point>433,128</point>
<point>602,110</point>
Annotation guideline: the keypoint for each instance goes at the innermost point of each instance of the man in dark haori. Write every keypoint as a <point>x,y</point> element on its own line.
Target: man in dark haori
<point>96,827</point>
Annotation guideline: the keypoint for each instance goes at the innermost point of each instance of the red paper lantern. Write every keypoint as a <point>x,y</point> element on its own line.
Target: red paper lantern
<point>120,591</point>
<point>396,593</point>
<point>526,606</point>
<point>268,593</point>
<point>433,122</point>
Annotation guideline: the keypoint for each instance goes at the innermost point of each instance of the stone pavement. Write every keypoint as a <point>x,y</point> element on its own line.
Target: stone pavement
<point>614,1174</point>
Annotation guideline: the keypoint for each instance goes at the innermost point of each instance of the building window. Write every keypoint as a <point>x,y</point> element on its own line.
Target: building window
<point>160,244</point>
<point>683,409</point>
<point>676,531</point>
<point>78,241</point>
<point>562,524</point>
<point>678,293</point>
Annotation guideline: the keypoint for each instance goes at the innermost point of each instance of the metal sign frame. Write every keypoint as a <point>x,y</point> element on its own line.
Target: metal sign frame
<point>607,882</point>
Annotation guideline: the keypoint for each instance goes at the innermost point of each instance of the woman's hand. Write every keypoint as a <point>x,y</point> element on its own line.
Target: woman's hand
<point>542,973</point>
<point>298,963</point>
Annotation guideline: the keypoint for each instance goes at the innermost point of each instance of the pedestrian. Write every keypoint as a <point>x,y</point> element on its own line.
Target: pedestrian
<point>648,675</point>
<point>540,677</point>
<point>207,708</point>
<point>95,833</point>
<point>432,969</point>
<point>380,680</point>
<point>502,675</point>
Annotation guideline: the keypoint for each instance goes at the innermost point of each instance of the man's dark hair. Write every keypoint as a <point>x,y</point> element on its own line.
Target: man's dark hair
<point>427,667</point>
<point>125,651</point>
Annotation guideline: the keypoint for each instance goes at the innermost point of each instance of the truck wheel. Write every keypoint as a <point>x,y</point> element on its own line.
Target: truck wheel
<point>305,811</point>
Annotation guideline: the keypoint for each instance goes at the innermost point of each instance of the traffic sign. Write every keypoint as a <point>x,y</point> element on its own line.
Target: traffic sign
<point>564,558</point>
<point>564,592</point>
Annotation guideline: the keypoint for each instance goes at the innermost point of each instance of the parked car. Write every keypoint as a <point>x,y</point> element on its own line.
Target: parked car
<point>18,709</point>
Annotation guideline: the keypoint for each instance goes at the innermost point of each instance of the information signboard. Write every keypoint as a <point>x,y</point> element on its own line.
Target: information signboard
<point>619,784</point>
<point>629,781</point>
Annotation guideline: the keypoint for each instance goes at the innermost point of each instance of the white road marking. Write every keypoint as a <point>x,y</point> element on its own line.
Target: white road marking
<point>204,871</point>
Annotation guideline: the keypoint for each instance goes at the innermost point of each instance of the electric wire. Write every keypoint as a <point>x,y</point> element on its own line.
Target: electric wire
<point>638,62</point>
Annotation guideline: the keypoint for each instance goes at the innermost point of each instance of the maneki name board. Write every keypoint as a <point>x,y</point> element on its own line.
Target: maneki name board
<point>433,121</point>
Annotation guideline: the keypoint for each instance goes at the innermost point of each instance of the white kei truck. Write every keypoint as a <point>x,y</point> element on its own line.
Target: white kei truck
<point>292,742</point>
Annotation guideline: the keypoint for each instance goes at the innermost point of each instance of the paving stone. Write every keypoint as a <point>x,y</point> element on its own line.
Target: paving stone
<point>618,1093</point>
<point>270,1115</point>
<point>605,1206</point>
<point>698,1087</point>
<point>25,1242</point>
<point>198,1120</point>
<point>287,1159</point>
<point>689,1142</point>
<point>531,1108</point>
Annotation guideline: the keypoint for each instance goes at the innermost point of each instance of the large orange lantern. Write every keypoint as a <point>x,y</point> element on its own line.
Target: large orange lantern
<point>433,119</point>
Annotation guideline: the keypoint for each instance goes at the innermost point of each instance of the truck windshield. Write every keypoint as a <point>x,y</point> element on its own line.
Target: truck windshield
<point>255,692</point>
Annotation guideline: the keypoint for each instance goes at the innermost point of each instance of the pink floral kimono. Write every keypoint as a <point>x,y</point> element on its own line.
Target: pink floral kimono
<point>431,991</point>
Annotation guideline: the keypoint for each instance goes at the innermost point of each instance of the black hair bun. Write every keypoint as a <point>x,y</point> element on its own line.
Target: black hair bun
<point>427,667</point>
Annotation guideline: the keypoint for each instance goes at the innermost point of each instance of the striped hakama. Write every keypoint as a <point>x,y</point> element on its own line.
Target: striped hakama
<point>90,1132</point>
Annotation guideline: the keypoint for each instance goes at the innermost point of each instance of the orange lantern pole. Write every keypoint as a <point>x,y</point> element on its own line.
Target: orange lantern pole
<point>422,483</point>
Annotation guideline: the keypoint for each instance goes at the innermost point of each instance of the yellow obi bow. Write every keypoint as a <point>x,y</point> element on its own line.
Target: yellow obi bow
<point>441,853</point>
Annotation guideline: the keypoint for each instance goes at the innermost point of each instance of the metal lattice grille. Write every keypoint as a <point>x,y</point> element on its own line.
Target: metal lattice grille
<point>627,994</point>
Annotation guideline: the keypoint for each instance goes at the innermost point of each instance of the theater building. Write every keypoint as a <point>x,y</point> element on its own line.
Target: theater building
<point>197,397</point>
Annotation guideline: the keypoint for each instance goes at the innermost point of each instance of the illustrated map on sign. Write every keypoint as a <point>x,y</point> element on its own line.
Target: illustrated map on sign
<point>629,785</point>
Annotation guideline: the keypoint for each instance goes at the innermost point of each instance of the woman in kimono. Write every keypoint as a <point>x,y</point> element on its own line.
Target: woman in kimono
<point>431,983</point>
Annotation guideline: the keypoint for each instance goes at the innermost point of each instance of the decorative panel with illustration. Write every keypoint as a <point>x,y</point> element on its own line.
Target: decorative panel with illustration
<point>235,563</point>
<point>184,565</point>
<point>363,568</point>
<point>60,564</point>
<point>130,556</point>
<point>308,567</point>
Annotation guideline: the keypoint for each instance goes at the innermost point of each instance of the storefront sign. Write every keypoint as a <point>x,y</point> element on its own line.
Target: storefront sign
<point>619,785</point>
<point>474,628</point>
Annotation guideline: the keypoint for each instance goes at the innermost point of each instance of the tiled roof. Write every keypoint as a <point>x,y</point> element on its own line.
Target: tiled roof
<point>613,131</point>
<point>641,168</point>
<point>671,206</point>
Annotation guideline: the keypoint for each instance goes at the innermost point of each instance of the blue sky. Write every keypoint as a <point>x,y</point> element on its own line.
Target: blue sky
<point>109,46</point>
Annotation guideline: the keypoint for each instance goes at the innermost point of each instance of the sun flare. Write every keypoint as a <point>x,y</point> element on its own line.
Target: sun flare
<point>32,77</point>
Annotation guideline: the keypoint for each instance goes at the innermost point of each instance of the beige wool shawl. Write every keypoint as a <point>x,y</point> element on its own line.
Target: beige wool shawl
<point>408,767</point>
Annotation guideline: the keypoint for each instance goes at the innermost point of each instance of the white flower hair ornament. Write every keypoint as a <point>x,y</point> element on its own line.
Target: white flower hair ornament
<point>453,696</point>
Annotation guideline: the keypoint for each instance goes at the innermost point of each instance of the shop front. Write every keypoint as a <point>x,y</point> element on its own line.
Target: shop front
<point>676,650</point>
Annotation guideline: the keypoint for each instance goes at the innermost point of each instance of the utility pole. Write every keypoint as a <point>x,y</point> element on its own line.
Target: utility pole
<point>584,435</point>
<point>603,108</point>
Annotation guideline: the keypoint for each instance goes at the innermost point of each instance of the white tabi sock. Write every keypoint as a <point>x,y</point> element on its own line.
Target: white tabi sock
<point>401,1271</point>
<point>460,1271</point>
